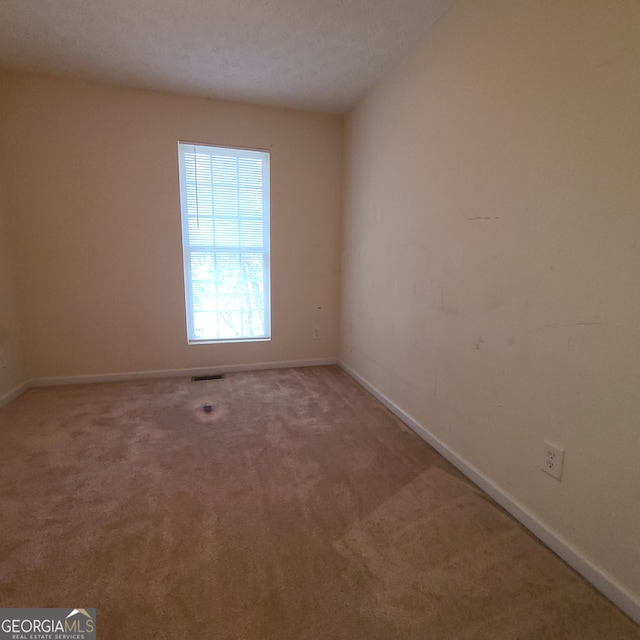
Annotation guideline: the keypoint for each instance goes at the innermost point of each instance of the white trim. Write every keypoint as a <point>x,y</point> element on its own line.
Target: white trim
<point>177,373</point>
<point>598,577</point>
<point>14,393</point>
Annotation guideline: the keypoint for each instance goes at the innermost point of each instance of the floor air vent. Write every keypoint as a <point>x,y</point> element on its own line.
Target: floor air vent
<point>213,376</point>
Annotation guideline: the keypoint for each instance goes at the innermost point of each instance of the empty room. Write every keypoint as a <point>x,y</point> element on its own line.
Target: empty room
<point>320,320</point>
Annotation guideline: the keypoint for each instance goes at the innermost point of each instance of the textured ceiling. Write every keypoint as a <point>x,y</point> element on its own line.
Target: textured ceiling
<point>311,54</point>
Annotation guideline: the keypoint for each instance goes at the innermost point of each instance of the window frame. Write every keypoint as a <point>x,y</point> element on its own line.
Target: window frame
<point>188,248</point>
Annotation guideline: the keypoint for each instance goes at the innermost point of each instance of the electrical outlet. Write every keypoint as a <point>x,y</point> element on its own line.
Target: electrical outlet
<point>316,333</point>
<point>552,460</point>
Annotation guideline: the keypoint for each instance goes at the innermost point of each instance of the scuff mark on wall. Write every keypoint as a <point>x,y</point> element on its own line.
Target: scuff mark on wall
<point>558,325</point>
<point>445,308</point>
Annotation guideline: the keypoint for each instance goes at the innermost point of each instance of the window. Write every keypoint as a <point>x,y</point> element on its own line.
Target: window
<point>224,198</point>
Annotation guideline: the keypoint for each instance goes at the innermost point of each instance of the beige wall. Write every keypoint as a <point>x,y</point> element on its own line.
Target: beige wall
<point>93,172</point>
<point>13,373</point>
<point>491,262</point>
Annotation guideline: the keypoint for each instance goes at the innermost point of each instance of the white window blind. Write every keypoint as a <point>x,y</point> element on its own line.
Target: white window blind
<point>224,198</point>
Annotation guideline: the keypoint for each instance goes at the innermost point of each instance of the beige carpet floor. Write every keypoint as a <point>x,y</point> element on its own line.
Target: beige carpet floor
<point>298,508</point>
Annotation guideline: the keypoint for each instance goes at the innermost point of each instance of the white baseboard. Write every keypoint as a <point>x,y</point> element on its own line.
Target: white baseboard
<point>164,373</point>
<point>14,393</point>
<point>598,577</point>
<point>176,373</point>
